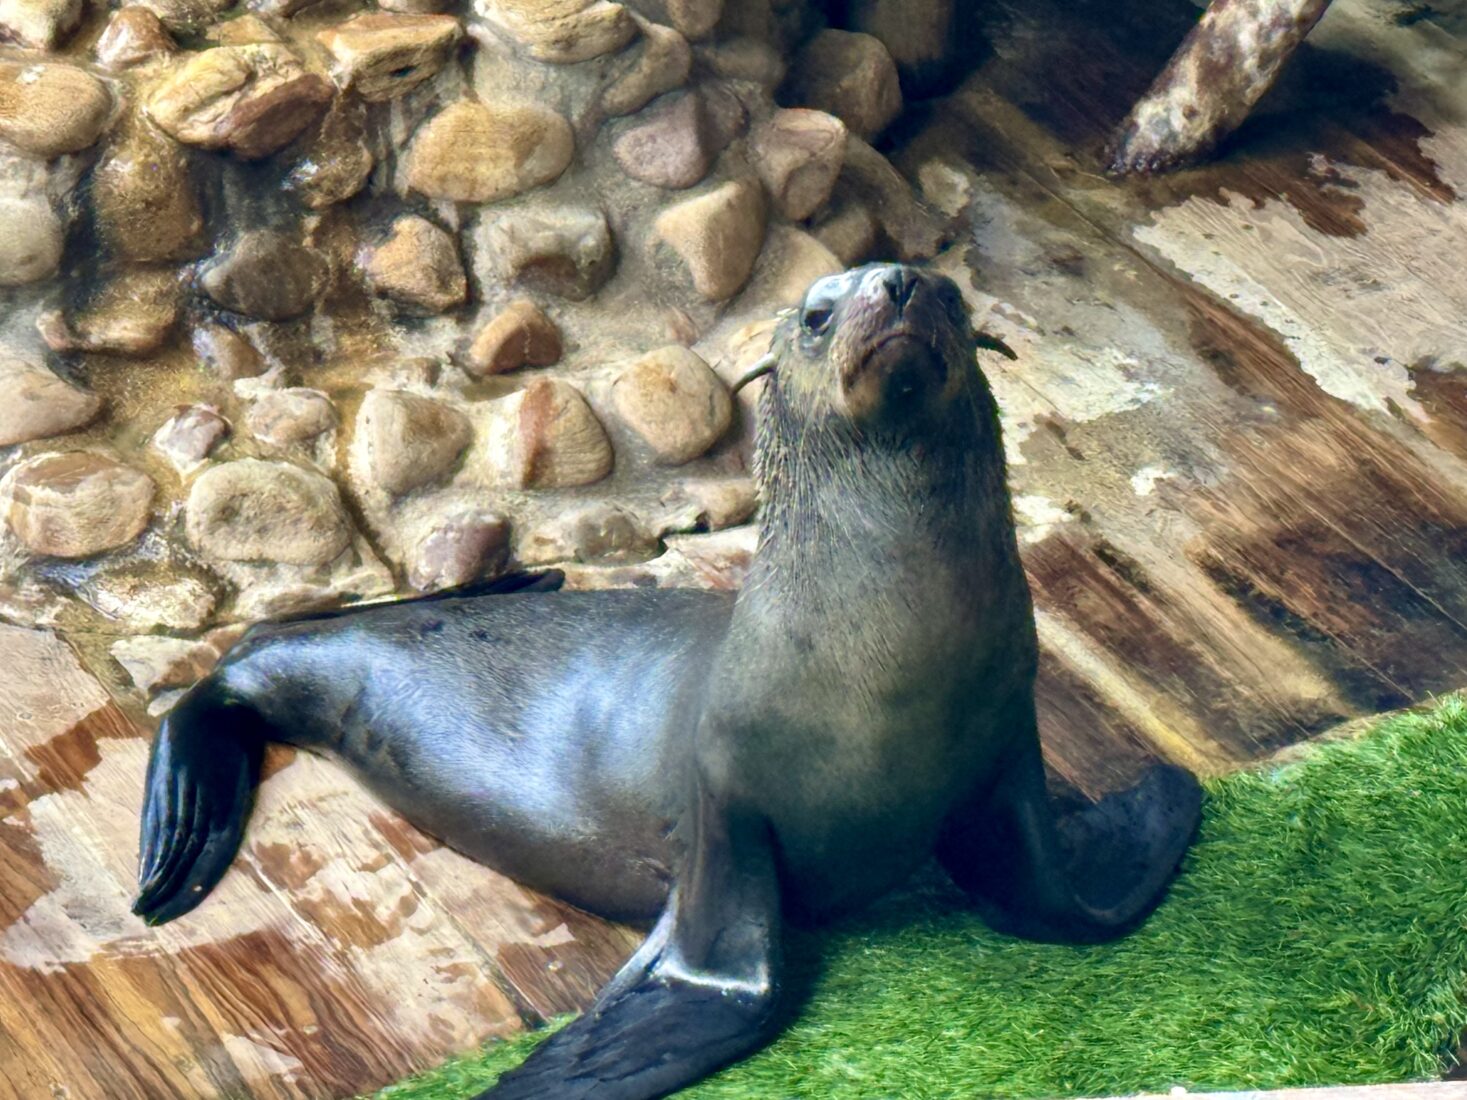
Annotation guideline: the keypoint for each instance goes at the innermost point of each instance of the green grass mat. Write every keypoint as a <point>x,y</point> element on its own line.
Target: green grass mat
<point>1317,934</point>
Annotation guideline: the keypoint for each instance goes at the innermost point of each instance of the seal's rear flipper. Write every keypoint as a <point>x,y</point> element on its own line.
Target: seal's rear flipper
<point>1095,876</point>
<point>200,786</point>
<point>700,992</point>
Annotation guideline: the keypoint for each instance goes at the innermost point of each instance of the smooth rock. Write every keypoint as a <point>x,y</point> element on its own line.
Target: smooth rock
<point>187,16</point>
<point>545,436</point>
<point>673,400</point>
<point>39,24</point>
<point>407,441</point>
<point>590,532</point>
<point>77,504</point>
<point>561,32</point>
<point>35,404</point>
<point>144,199</point>
<point>477,152</point>
<point>717,235</point>
<point>381,55</point>
<point>562,250</point>
<point>283,418</point>
<point>133,35</point>
<point>520,335</point>
<point>133,314</point>
<point>417,266</point>
<point>793,260</point>
<point>47,110</point>
<point>245,30</point>
<point>849,230</point>
<point>266,275</point>
<point>147,601</point>
<point>155,664</point>
<point>660,62</point>
<point>914,231</point>
<point>31,240</point>
<point>709,504</point>
<point>670,144</point>
<point>745,58</point>
<point>336,161</point>
<point>189,435</point>
<point>798,154</point>
<point>459,548</point>
<point>850,76</point>
<point>227,353</point>
<point>918,34</point>
<point>253,99</point>
<point>257,511</point>
<point>694,18</point>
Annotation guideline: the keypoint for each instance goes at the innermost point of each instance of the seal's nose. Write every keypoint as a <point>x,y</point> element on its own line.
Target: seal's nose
<point>900,283</point>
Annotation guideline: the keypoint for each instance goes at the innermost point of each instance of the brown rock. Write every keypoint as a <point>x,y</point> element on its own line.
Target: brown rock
<point>227,353</point>
<point>563,250</point>
<point>245,30</point>
<point>133,35</point>
<point>38,24</point>
<point>673,400</point>
<point>919,35</point>
<point>476,152</point>
<point>717,235</point>
<point>144,199</point>
<point>407,441</point>
<point>266,512</point>
<point>253,99</point>
<point>155,664</point>
<point>131,315</point>
<point>709,504</point>
<point>520,335</point>
<point>187,437</point>
<point>77,504</point>
<point>798,154</point>
<point>266,275</point>
<point>745,58</point>
<point>187,16</point>
<point>694,18</point>
<point>35,404</point>
<point>460,548</point>
<point>849,231</point>
<point>590,532</point>
<point>546,437</point>
<point>670,145</point>
<point>381,56</point>
<point>283,418</point>
<point>417,266</point>
<point>660,62</point>
<point>850,76</point>
<point>561,31</point>
<point>914,231</point>
<point>336,161</point>
<point>31,240</point>
<point>47,110</point>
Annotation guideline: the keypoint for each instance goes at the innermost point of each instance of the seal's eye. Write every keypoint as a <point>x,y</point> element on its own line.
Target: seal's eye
<point>816,317</point>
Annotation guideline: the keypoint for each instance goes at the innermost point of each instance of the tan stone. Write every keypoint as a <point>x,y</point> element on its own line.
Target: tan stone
<point>849,231</point>
<point>144,200</point>
<point>417,266</point>
<point>588,532</point>
<point>381,55</point>
<point>227,353</point>
<point>133,35</point>
<point>77,504</point>
<point>132,314</point>
<point>284,418</point>
<point>545,436</point>
<point>479,152</point>
<point>919,35</point>
<point>561,31</point>
<point>187,16</point>
<point>550,248</point>
<point>35,404</point>
<point>245,30</point>
<point>336,162</point>
<point>717,235</point>
<point>407,441</point>
<point>251,510</point>
<point>798,154</point>
<point>187,437</point>
<point>520,335</point>
<point>850,76</point>
<point>47,110</point>
<point>914,231</point>
<point>253,100</point>
<point>39,24</point>
<point>671,144</point>
<point>673,400</point>
<point>458,549</point>
<point>660,62</point>
<point>31,240</point>
<point>704,504</point>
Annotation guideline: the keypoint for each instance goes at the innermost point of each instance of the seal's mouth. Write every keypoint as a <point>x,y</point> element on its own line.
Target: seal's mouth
<point>899,371</point>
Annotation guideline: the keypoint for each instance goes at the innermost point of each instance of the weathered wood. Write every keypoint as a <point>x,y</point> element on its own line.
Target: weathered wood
<point>1415,1091</point>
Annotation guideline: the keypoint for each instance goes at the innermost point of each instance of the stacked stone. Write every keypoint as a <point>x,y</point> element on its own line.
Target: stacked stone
<point>346,303</point>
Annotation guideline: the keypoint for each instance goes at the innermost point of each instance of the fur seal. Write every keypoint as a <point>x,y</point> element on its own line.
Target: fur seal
<point>713,763</point>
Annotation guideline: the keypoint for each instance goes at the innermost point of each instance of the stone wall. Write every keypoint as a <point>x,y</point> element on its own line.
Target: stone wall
<point>314,303</point>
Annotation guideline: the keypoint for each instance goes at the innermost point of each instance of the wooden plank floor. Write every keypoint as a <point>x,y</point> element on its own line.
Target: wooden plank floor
<point>1239,435</point>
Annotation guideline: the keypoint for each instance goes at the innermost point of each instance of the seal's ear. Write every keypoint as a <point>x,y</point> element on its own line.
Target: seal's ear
<point>993,343</point>
<point>758,370</point>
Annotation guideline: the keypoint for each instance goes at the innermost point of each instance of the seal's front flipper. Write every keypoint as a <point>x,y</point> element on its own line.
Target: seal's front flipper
<point>1087,878</point>
<point>200,785</point>
<point>700,992</point>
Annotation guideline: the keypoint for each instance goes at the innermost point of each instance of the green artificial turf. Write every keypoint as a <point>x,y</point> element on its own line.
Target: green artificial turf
<point>1317,934</point>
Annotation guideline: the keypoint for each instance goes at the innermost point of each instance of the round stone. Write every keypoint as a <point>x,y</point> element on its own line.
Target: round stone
<point>673,400</point>
<point>561,32</point>
<point>417,266</point>
<point>256,511</point>
<point>407,441</point>
<point>37,404</point>
<point>144,199</point>
<point>382,55</point>
<point>78,504</point>
<point>798,154</point>
<point>660,62</point>
<point>851,76</point>
<point>477,152</point>
<point>266,275</point>
<point>133,35</point>
<point>227,353</point>
<point>561,250</point>
<point>38,24</point>
<point>30,241</point>
<point>591,532</point>
<point>545,436</point>
<point>47,110</point>
<point>717,235</point>
<point>670,144</point>
<point>187,437</point>
<point>460,548</point>
<point>520,335</point>
<point>283,418</point>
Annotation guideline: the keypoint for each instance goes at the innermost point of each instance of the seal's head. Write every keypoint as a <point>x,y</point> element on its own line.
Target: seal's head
<point>885,348</point>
